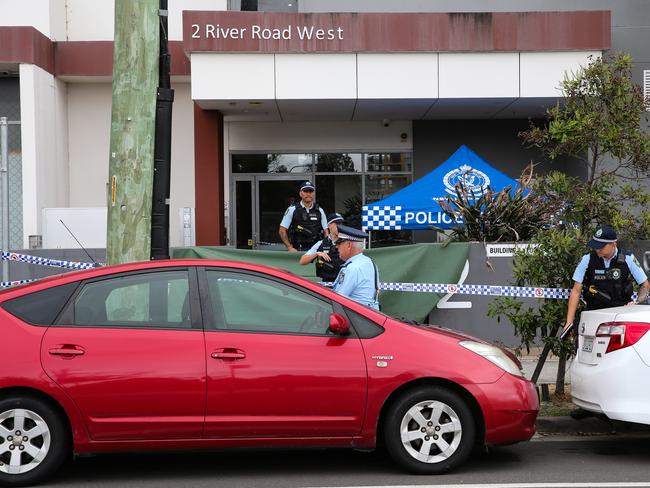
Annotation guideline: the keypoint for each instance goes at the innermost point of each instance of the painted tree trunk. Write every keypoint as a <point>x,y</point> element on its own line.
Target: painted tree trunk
<point>135,80</point>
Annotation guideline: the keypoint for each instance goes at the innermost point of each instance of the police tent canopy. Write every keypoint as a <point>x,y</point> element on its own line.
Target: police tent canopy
<point>416,207</point>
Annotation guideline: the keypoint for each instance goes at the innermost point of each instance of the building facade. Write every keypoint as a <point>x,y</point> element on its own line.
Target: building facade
<point>361,97</point>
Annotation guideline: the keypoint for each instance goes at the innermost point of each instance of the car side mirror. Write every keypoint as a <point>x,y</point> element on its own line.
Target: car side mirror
<point>339,325</point>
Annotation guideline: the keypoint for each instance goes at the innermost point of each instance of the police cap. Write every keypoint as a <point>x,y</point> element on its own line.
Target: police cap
<point>307,185</point>
<point>350,234</point>
<point>334,217</point>
<point>604,235</point>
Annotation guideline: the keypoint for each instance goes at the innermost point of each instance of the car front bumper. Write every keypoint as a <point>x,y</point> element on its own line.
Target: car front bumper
<point>510,407</point>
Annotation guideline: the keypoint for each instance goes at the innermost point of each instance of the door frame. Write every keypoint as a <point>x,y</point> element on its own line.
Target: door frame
<point>255,188</point>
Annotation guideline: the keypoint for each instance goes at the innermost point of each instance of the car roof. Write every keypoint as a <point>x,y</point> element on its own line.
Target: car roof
<point>68,277</point>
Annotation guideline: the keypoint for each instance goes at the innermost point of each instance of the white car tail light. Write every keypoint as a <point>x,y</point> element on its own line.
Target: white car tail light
<point>622,334</point>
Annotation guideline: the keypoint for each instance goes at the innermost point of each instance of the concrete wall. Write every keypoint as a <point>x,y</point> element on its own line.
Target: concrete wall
<point>44,151</point>
<point>630,18</point>
<point>93,19</point>
<point>89,124</point>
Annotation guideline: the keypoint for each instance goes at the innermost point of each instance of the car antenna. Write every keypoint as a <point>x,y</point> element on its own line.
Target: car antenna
<point>75,238</point>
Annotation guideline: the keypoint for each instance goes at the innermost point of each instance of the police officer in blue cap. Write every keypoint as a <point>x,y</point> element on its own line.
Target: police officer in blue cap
<point>604,279</point>
<point>304,223</point>
<point>324,252</point>
<point>358,278</point>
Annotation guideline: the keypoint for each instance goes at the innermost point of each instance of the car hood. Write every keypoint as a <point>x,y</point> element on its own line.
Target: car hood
<point>452,334</point>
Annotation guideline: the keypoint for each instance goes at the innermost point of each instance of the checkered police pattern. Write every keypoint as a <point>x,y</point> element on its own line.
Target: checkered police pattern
<point>381,218</point>
<point>490,290</point>
<point>7,284</point>
<point>58,263</point>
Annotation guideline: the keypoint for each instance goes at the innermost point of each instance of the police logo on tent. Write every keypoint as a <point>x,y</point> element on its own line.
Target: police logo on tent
<point>472,180</point>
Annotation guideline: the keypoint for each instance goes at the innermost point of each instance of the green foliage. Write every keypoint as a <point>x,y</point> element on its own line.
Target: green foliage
<point>506,215</point>
<point>599,125</point>
<point>550,263</point>
<point>599,119</point>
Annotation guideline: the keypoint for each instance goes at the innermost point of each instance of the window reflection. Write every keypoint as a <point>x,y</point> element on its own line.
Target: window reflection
<point>272,163</point>
<point>388,162</point>
<point>341,193</point>
<point>338,163</point>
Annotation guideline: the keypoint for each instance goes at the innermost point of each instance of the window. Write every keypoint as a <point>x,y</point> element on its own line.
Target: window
<point>245,302</point>
<point>263,5</point>
<point>41,307</point>
<point>159,299</point>
<point>272,163</point>
<point>388,162</point>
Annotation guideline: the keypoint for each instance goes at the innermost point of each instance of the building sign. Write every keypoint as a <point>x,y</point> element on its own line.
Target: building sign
<point>302,32</point>
<point>506,250</point>
<point>287,32</point>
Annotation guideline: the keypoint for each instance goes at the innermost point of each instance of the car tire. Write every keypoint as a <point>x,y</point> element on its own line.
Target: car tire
<point>429,430</point>
<point>41,446</point>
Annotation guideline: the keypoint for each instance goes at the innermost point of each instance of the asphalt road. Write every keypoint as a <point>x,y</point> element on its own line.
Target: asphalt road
<point>590,460</point>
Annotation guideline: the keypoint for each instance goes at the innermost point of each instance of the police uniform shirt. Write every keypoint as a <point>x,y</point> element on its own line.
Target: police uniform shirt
<point>356,280</point>
<point>635,268</point>
<point>288,216</point>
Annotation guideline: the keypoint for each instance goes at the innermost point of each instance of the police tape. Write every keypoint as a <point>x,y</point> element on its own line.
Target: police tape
<point>57,263</point>
<point>489,290</point>
<point>7,284</point>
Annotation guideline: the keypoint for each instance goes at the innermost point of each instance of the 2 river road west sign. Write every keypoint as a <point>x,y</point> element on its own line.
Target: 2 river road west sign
<point>258,32</point>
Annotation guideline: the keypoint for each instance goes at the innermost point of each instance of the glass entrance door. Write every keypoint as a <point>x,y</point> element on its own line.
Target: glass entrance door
<point>274,195</point>
<point>259,205</point>
<point>244,236</point>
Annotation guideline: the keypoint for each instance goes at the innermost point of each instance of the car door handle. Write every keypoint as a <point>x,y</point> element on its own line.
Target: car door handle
<point>67,351</point>
<point>228,353</point>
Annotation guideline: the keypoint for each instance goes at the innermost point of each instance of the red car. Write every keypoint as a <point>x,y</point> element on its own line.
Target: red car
<point>211,354</point>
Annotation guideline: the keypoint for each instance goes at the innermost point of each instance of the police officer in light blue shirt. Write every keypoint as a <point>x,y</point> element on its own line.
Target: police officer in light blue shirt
<point>604,275</point>
<point>304,223</point>
<point>358,278</point>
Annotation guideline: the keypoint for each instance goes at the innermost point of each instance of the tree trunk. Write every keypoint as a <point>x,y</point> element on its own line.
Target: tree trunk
<point>543,355</point>
<point>561,373</point>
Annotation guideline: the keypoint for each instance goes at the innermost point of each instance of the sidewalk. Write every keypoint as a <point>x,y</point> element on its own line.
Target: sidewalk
<point>549,371</point>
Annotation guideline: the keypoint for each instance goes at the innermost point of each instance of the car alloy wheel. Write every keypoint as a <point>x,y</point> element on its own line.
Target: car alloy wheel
<point>34,441</point>
<point>429,430</point>
<point>24,440</point>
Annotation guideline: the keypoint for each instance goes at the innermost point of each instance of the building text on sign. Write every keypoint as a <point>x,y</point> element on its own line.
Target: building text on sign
<point>257,32</point>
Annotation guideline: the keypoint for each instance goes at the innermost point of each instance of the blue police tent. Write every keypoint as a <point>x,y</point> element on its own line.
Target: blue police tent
<point>416,206</point>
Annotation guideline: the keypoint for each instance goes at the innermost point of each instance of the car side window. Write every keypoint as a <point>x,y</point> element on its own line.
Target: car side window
<point>253,303</point>
<point>41,307</point>
<point>159,300</point>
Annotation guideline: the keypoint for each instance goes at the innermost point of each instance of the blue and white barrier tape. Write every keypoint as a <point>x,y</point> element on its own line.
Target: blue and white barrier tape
<point>491,290</point>
<point>7,284</point>
<point>58,263</point>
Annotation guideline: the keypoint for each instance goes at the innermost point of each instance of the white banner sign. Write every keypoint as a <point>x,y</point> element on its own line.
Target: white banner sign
<point>505,250</point>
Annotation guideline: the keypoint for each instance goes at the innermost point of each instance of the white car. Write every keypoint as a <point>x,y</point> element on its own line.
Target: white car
<point>611,371</point>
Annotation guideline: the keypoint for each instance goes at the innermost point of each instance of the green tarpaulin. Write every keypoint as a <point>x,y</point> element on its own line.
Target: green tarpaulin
<point>417,263</point>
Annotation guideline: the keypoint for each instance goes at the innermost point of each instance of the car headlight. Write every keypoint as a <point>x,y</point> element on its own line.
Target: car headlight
<point>494,355</point>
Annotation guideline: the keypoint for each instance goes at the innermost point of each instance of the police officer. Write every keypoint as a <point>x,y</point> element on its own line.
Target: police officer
<point>324,252</point>
<point>358,278</point>
<point>304,223</point>
<point>604,277</point>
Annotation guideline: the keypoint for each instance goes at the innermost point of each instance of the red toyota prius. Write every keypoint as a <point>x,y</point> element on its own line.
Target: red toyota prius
<point>213,354</point>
